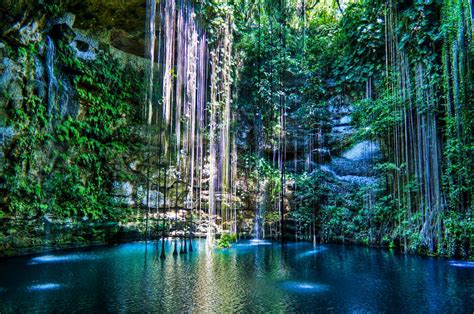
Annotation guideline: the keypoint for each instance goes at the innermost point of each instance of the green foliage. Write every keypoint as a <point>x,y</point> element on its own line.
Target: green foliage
<point>310,191</point>
<point>292,58</point>
<point>376,118</point>
<point>419,31</point>
<point>260,178</point>
<point>64,166</point>
<point>226,240</point>
<point>215,14</point>
<point>457,234</point>
<point>281,70</point>
<point>362,40</point>
<point>430,43</point>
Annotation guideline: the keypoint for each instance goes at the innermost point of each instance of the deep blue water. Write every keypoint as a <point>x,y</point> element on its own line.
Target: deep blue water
<point>250,277</point>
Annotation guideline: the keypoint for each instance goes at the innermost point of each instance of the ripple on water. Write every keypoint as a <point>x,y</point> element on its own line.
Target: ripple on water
<point>305,287</point>
<point>43,286</point>
<point>311,253</point>
<point>463,264</point>
<point>59,259</point>
<point>259,242</point>
<point>250,244</point>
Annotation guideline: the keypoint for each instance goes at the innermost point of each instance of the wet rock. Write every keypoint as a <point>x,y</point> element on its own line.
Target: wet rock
<point>85,47</point>
<point>300,166</point>
<point>29,33</point>
<point>342,130</point>
<point>123,192</point>
<point>62,32</point>
<point>39,84</point>
<point>352,179</point>
<point>356,166</point>
<point>126,42</point>
<point>67,19</point>
<point>2,50</point>
<point>6,133</point>
<point>343,167</point>
<point>345,120</point>
<point>9,72</point>
<point>322,154</point>
<point>155,198</point>
<point>68,104</point>
<point>134,165</point>
<point>338,105</point>
<point>366,150</point>
<point>10,82</point>
<point>60,28</point>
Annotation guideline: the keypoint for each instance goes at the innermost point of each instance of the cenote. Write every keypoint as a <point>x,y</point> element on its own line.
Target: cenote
<point>244,278</point>
<point>129,127</point>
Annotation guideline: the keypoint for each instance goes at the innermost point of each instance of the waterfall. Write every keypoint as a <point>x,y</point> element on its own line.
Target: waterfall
<point>52,80</point>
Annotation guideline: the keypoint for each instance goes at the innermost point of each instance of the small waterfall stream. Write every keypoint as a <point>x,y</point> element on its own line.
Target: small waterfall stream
<point>52,80</point>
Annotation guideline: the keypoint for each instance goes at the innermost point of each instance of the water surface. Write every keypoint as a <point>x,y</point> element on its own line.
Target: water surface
<point>253,276</point>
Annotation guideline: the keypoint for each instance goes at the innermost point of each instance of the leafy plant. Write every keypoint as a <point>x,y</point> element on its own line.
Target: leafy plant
<point>226,240</point>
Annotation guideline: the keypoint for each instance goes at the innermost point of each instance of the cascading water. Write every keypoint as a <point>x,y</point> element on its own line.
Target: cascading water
<point>258,221</point>
<point>52,80</point>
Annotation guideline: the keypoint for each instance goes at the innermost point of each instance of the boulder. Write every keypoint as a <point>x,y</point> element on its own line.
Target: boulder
<point>155,198</point>
<point>123,192</point>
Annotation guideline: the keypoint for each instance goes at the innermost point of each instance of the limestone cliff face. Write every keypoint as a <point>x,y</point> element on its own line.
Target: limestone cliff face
<point>38,45</point>
<point>62,60</point>
<point>119,23</point>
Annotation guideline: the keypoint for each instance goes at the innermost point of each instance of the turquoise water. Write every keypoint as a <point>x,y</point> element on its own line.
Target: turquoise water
<point>249,277</point>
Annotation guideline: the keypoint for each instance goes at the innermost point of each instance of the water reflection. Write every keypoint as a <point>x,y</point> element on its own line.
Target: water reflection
<point>244,278</point>
<point>462,264</point>
<point>60,258</point>
<point>304,287</point>
<point>44,286</point>
<point>311,252</point>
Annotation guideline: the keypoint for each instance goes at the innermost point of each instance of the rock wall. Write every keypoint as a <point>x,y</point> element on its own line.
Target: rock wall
<point>31,65</point>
